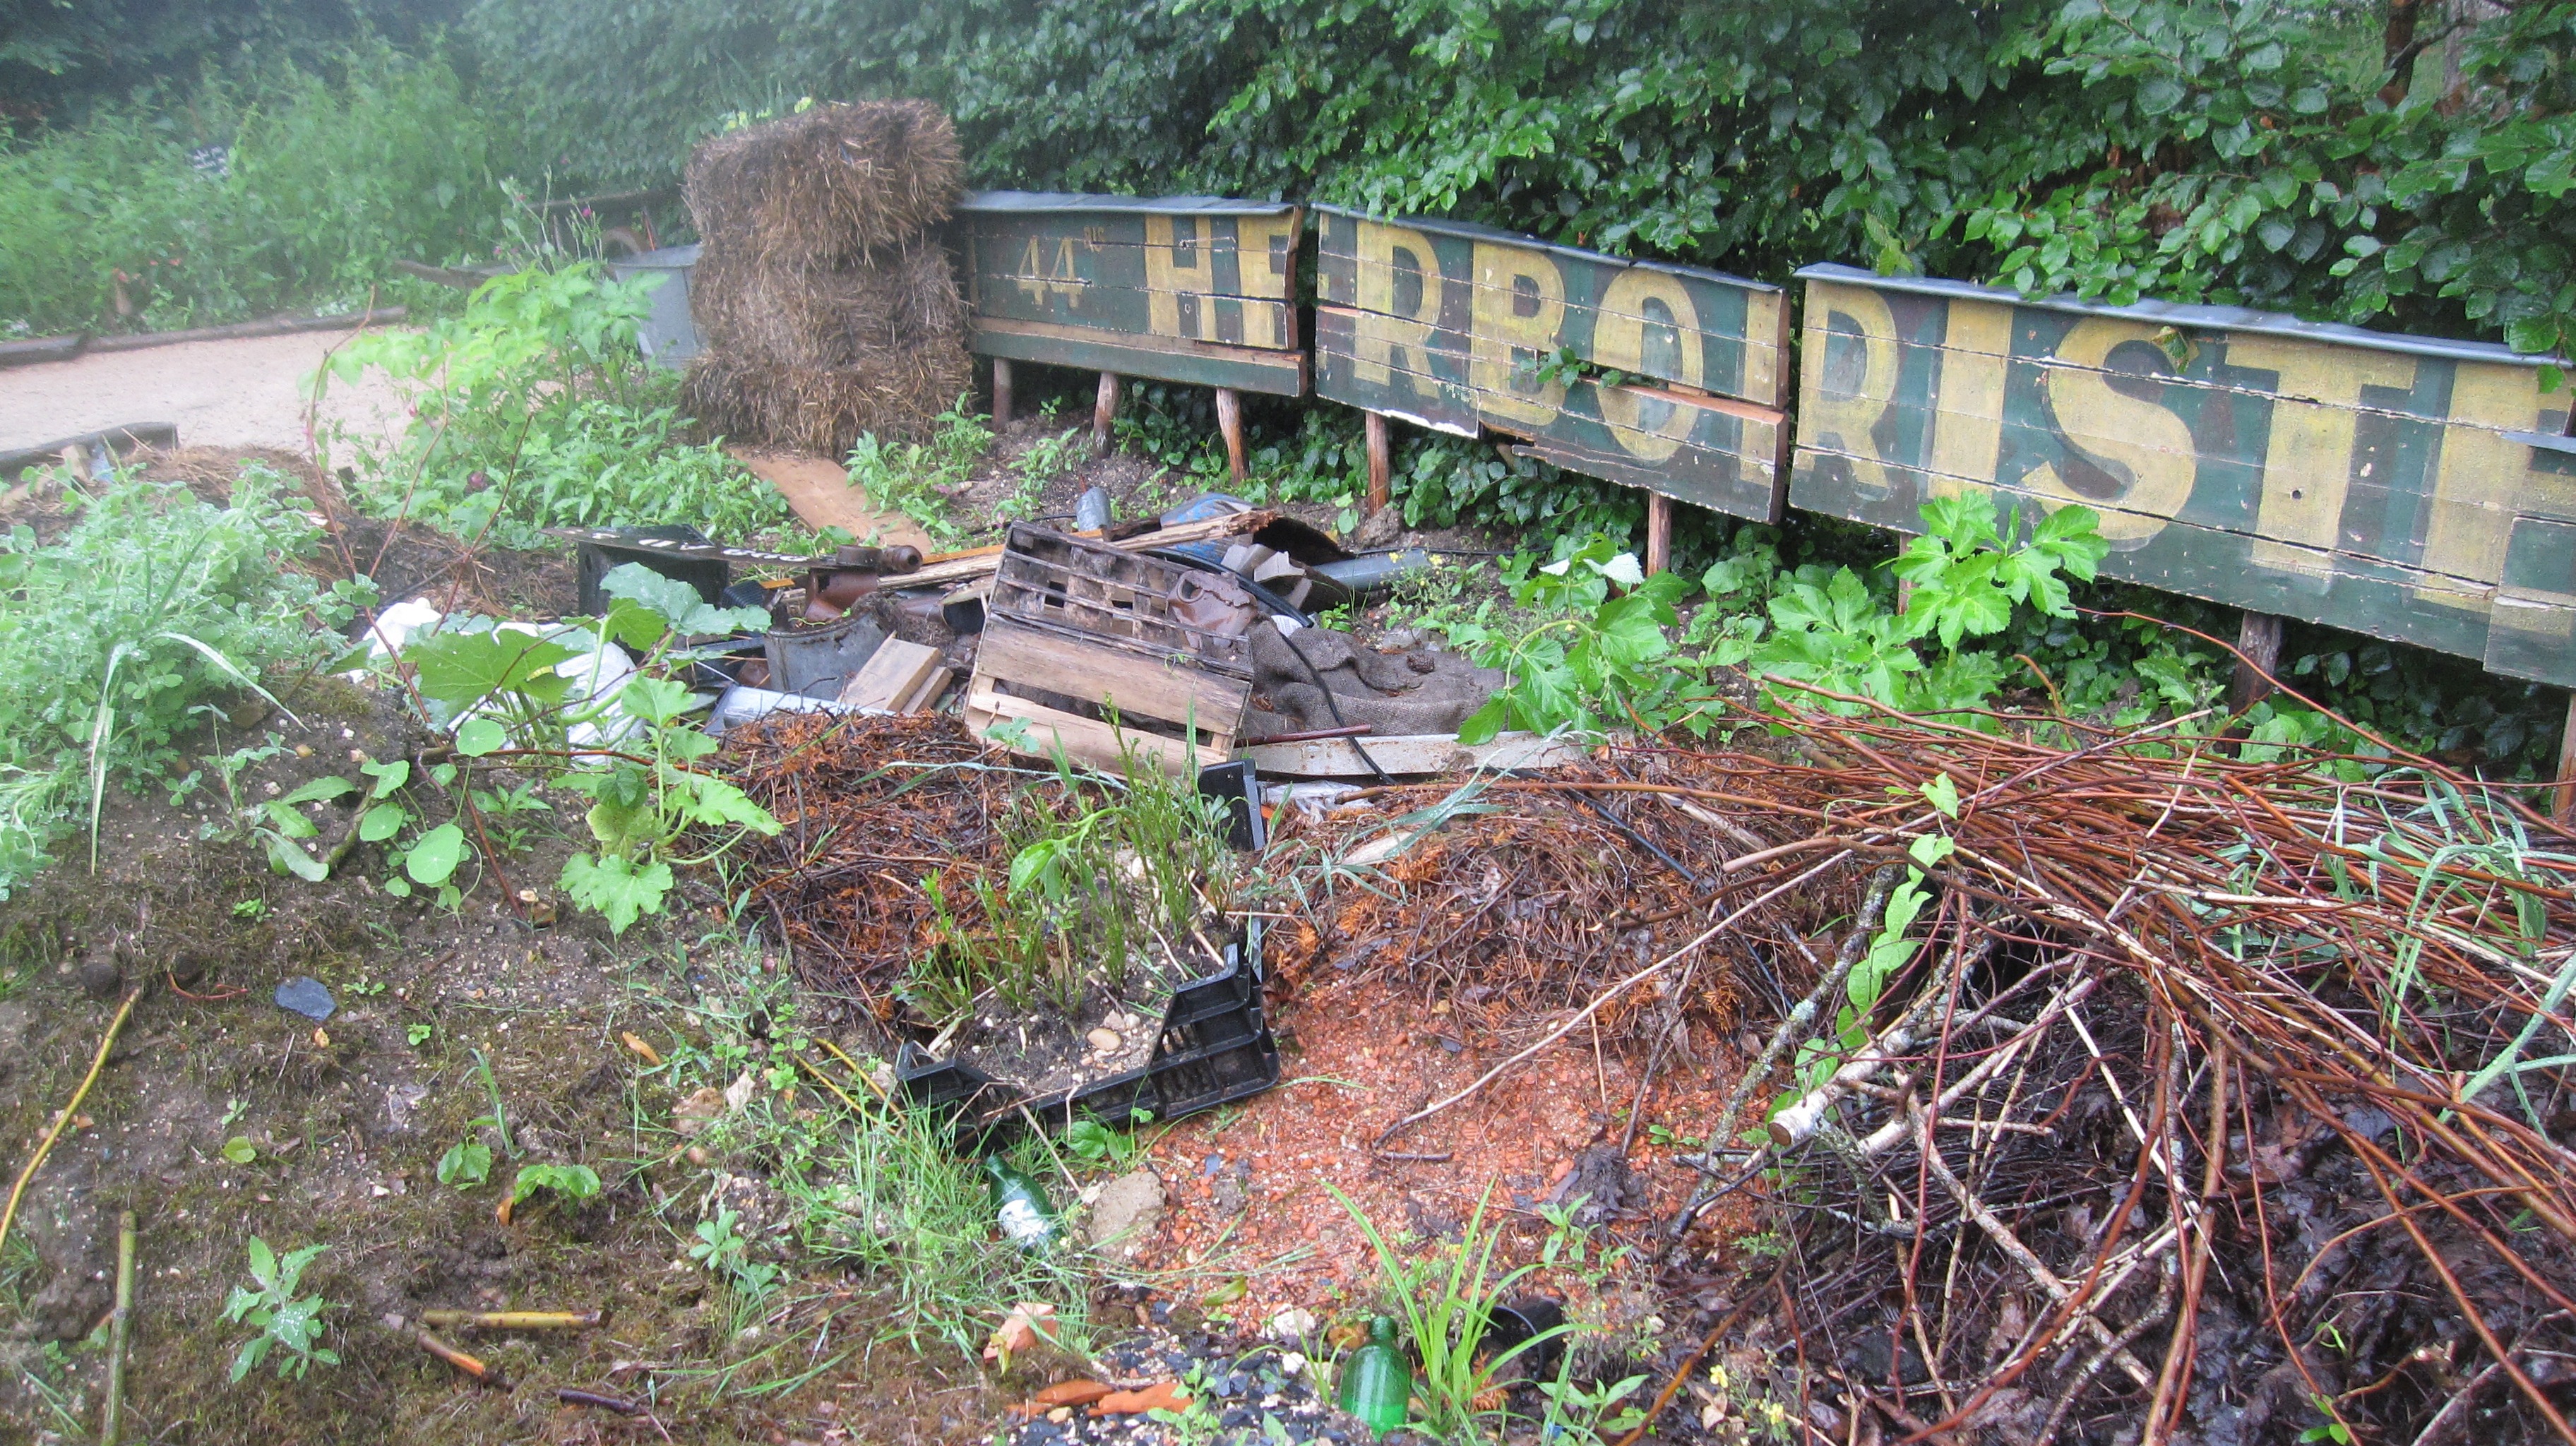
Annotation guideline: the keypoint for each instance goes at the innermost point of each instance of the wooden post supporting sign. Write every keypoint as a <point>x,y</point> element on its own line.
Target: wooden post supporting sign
<point>1001,393</point>
<point>1381,466</point>
<point>2562,806</point>
<point>1104,411</point>
<point>2258,641</point>
<point>1229,422</point>
<point>1659,533</point>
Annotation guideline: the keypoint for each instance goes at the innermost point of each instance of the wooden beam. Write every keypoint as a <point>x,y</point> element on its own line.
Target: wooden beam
<point>1229,422</point>
<point>1104,411</point>
<point>1381,464</point>
<point>2259,639</point>
<point>1659,533</point>
<point>2563,802</point>
<point>1001,393</point>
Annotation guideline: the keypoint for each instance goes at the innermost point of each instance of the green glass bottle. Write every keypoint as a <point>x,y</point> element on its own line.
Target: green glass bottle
<point>1377,1381</point>
<point>1028,1218</point>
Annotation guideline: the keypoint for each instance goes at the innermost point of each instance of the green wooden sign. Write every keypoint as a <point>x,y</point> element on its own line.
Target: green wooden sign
<point>1459,327</point>
<point>1183,288</point>
<point>2397,486</point>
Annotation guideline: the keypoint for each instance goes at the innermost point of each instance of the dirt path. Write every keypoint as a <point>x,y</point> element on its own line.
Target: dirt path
<point>246,393</point>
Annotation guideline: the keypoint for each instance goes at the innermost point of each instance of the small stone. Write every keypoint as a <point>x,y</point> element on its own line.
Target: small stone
<point>306,996</point>
<point>1107,1041</point>
<point>1398,640</point>
<point>1128,1210</point>
<point>100,977</point>
<point>1060,1414</point>
<point>1292,1326</point>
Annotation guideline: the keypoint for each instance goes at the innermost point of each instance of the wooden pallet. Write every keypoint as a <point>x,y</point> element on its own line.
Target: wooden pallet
<point>1077,635</point>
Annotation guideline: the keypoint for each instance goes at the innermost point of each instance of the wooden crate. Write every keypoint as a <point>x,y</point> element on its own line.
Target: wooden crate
<point>1090,589</point>
<point>1077,633</point>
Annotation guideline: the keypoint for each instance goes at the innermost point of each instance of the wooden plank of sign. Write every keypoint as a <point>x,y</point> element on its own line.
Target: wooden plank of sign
<point>1211,253</point>
<point>1711,451</point>
<point>1701,329</point>
<point>1227,320</point>
<point>2356,479</point>
<point>1171,359</point>
<point>2314,584</point>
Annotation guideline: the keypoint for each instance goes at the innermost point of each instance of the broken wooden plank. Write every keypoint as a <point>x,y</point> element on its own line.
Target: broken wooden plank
<point>892,673</point>
<point>1169,689</point>
<point>952,569</point>
<point>818,490</point>
<point>991,716</point>
<point>1410,753</point>
<point>933,683</point>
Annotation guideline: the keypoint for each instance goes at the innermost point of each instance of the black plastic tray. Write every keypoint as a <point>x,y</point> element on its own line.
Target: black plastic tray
<point>597,559</point>
<point>1214,1048</point>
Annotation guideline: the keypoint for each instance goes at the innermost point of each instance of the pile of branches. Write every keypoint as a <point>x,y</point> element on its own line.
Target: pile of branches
<point>2197,1097</point>
<point>868,807</point>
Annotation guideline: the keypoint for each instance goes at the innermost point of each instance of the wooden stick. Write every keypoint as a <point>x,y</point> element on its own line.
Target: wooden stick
<point>2258,642</point>
<point>1001,393</point>
<point>1229,423</point>
<point>2562,804</point>
<point>1381,464</point>
<point>16,1192</point>
<point>1659,533</point>
<point>473,1366</point>
<point>111,1428</point>
<point>1104,411</point>
<point>513,1320</point>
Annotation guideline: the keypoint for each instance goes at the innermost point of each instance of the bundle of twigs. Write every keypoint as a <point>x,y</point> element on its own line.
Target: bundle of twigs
<point>2153,937</point>
<point>2192,1057</point>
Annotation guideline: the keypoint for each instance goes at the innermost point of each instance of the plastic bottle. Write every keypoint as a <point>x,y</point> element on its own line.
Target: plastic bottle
<point>1377,1381</point>
<point>1028,1218</point>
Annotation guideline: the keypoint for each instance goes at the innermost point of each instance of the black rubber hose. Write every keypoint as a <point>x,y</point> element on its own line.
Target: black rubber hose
<point>1627,832</point>
<point>1326,689</point>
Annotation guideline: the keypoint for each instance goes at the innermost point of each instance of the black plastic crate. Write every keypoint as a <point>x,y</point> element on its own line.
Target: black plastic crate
<point>1214,1048</point>
<point>710,576</point>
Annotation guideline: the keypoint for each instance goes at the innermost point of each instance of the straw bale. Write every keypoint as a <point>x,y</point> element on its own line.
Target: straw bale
<point>836,317</point>
<point>896,394</point>
<point>825,187</point>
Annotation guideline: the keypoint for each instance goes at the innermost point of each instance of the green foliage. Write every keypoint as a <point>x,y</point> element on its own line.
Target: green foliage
<point>726,1253</point>
<point>918,479</point>
<point>1594,660</point>
<point>537,411</point>
<point>570,1183</point>
<point>283,1319</point>
<point>1968,579</point>
<point>153,608</point>
<point>328,178</point>
<point>1107,878</point>
<point>1446,1313</point>
<point>466,1164</point>
<point>1101,1147</point>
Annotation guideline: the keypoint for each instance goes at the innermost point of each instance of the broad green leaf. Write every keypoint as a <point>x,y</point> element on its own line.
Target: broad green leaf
<point>478,736</point>
<point>381,822</point>
<point>320,790</point>
<point>435,856</point>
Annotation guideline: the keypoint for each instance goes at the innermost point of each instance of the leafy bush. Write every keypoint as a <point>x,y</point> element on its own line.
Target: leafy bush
<point>537,411</point>
<point>325,181</point>
<point>153,609</point>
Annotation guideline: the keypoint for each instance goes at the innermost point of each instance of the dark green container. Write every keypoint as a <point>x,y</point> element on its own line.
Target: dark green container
<point>1377,1381</point>
<point>1027,1217</point>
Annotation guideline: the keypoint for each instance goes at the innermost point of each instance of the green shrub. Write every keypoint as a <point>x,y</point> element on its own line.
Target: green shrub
<point>537,411</point>
<point>152,610</point>
<point>326,181</point>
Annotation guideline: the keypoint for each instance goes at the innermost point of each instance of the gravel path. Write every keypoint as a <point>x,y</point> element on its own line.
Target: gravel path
<point>246,393</point>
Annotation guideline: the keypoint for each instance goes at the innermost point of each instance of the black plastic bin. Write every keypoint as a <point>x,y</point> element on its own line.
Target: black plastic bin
<point>710,576</point>
<point>1214,1048</point>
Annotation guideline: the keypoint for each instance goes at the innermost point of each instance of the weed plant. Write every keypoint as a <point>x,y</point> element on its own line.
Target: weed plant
<point>323,180</point>
<point>1113,884</point>
<point>153,610</point>
<point>920,479</point>
<point>885,1190</point>
<point>535,410</point>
